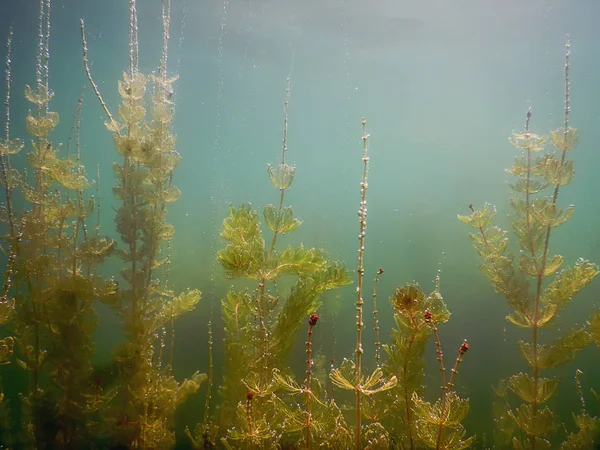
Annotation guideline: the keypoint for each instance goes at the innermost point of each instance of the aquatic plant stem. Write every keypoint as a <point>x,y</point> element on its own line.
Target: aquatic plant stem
<point>88,73</point>
<point>444,387</point>
<point>544,261</point>
<point>210,375</point>
<point>4,156</point>
<point>376,319</point>
<point>249,398</point>
<point>283,152</point>
<point>262,284</point>
<point>15,237</point>
<point>464,347</point>
<point>407,399</point>
<point>312,321</point>
<point>362,213</point>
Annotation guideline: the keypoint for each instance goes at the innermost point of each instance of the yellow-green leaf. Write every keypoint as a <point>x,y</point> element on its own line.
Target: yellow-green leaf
<point>41,126</point>
<point>565,141</point>
<point>282,175</point>
<point>568,283</point>
<point>525,387</point>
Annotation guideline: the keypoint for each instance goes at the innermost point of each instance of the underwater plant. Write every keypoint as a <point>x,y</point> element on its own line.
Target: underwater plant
<point>412,422</point>
<point>535,216</point>
<point>51,268</point>
<point>261,323</point>
<point>349,376</point>
<point>142,134</point>
<point>7,301</point>
<point>439,425</point>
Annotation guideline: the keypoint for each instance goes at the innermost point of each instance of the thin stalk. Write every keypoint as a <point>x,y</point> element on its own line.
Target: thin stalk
<point>414,327</point>
<point>312,321</point>
<point>98,200</point>
<point>262,284</point>
<point>544,261</point>
<point>362,213</point>
<point>283,152</point>
<point>210,376</point>
<point>376,320</point>
<point>4,156</point>
<point>464,347</point>
<point>444,386</point>
<point>88,73</point>
<point>249,398</point>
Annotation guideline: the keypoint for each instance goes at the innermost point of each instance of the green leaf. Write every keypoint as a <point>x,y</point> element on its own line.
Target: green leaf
<point>525,387</point>
<point>270,215</point>
<point>7,346</point>
<point>241,260</point>
<point>530,186</point>
<point>537,425</point>
<point>281,176</point>
<point>184,302</point>
<point>552,265</point>
<point>491,243</point>
<point>548,215</point>
<point>480,218</point>
<point>529,265</point>
<point>41,126</point>
<point>594,327</point>
<point>297,261</point>
<point>11,148</point>
<point>454,411</point>
<point>39,95</point>
<point>560,352</point>
<point>528,141</point>
<point>558,172</point>
<point>519,168</point>
<point>408,299</point>
<point>303,301</point>
<point>565,141</point>
<point>586,437</point>
<point>242,225</point>
<point>283,224</point>
<point>244,255</point>
<point>568,283</point>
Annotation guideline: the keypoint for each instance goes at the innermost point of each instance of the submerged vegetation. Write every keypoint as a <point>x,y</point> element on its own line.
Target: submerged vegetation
<point>57,258</point>
<point>530,425</point>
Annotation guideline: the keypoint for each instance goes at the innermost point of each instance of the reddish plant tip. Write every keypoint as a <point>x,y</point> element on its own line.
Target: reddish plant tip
<point>428,316</point>
<point>380,271</point>
<point>464,347</point>
<point>249,395</point>
<point>313,319</point>
<point>99,381</point>
<point>471,207</point>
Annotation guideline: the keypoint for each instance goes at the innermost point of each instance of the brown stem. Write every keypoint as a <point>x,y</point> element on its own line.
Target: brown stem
<point>444,387</point>
<point>376,319</point>
<point>312,321</point>
<point>359,288</point>
<point>210,375</point>
<point>407,401</point>
<point>249,398</point>
<point>544,261</point>
<point>261,303</point>
<point>464,347</point>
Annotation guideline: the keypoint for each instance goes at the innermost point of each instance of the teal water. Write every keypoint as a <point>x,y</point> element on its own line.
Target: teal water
<point>441,84</point>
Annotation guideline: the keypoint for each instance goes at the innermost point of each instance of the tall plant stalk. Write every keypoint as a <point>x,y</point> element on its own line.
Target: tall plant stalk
<point>362,214</point>
<point>535,218</point>
<point>349,376</point>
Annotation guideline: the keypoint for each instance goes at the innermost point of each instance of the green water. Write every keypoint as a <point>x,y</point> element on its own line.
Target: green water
<point>442,85</point>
